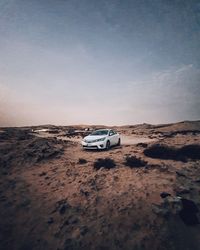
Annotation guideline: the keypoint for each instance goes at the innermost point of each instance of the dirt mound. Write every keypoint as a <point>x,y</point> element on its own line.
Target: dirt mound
<point>180,127</point>
<point>180,154</point>
<point>19,147</point>
<point>41,148</point>
<point>16,134</point>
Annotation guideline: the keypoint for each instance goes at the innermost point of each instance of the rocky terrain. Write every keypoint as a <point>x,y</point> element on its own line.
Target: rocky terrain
<point>144,194</point>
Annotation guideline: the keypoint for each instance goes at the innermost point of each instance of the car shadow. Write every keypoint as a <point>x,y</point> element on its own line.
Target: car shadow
<point>115,147</point>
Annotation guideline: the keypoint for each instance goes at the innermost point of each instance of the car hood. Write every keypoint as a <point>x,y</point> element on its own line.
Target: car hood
<point>94,137</point>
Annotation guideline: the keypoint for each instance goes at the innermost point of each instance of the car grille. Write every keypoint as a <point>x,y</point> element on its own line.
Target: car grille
<point>90,146</point>
<point>88,141</point>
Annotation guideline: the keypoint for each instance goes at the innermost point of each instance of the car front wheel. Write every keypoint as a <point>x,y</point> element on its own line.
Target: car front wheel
<point>119,142</point>
<point>107,145</point>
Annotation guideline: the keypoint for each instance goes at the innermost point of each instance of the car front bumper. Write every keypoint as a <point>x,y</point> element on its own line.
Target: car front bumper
<point>94,145</point>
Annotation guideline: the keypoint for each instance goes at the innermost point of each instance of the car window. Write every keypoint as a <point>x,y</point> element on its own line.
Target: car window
<point>111,132</point>
<point>100,132</point>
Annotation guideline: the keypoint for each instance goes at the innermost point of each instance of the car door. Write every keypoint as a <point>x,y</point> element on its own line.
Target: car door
<point>116,137</point>
<point>112,137</point>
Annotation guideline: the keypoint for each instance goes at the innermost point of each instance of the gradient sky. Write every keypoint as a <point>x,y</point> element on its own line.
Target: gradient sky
<point>99,62</point>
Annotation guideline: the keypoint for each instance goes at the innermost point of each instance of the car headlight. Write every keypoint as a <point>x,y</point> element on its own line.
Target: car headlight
<point>102,139</point>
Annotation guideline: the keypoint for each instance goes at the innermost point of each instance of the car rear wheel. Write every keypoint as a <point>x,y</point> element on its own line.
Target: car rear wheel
<point>107,145</point>
<point>119,142</point>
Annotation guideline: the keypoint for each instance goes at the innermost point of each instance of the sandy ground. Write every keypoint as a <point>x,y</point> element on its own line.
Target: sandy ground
<point>49,199</point>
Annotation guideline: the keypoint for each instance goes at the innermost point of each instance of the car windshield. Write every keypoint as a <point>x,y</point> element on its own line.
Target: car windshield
<point>100,132</point>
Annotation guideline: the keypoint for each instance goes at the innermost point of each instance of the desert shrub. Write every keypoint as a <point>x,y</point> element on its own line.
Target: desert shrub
<point>160,151</point>
<point>132,161</point>
<point>105,163</point>
<point>82,161</point>
<point>190,151</point>
<point>71,131</point>
<point>54,131</point>
<point>143,145</point>
<point>180,154</point>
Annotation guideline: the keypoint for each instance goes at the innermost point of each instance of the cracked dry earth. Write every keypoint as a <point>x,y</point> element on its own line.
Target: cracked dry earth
<point>60,202</point>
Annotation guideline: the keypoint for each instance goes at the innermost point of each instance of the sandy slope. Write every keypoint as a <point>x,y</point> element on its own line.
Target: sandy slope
<point>48,200</point>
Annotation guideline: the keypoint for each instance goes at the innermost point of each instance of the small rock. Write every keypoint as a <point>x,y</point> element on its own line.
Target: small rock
<point>25,202</point>
<point>159,210</point>
<point>42,174</point>
<point>62,209</point>
<point>115,178</point>
<point>83,230</point>
<point>164,195</point>
<point>143,145</point>
<point>170,205</point>
<point>71,244</point>
<point>182,190</point>
<point>82,161</point>
<point>61,206</point>
<point>180,173</point>
<point>73,220</point>
<point>50,220</point>
<point>86,193</point>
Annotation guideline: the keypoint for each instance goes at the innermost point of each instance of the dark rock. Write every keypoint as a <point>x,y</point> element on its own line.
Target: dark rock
<point>50,220</point>
<point>164,194</point>
<point>62,209</point>
<point>189,212</point>
<point>83,230</point>
<point>61,206</point>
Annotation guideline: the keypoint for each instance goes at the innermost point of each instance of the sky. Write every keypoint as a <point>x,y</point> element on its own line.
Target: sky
<point>111,62</point>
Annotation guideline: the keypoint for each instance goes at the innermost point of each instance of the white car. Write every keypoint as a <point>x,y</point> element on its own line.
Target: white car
<point>101,139</point>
